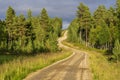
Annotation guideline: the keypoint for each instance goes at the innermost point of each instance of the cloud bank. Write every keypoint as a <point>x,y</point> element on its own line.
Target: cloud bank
<point>65,9</point>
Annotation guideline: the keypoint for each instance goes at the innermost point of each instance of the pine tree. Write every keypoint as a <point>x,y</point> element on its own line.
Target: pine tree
<point>40,35</point>
<point>10,14</point>
<point>100,14</point>
<point>44,19</point>
<point>2,35</point>
<point>29,14</point>
<point>84,17</point>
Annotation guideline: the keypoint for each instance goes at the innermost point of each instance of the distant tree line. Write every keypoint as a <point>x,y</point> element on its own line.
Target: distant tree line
<point>20,34</point>
<point>100,30</point>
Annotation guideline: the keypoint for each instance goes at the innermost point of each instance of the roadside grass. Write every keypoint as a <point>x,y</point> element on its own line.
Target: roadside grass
<point>82,47</point>
<point>19,68</point>
<point>101,68</point>
<point>6,58</point>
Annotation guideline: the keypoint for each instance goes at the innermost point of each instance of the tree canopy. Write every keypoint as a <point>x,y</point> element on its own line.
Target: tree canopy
<point>100,30</point>
<point>31,34</point>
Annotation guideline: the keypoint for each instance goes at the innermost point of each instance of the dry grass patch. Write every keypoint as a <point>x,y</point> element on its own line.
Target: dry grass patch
<point>102,69</point>
<point>21,67</point>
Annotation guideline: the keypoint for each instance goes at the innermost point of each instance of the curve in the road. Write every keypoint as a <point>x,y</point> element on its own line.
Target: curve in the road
<point>73,68</point>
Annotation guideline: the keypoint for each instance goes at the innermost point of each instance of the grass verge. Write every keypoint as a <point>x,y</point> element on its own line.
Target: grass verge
<point>19,68</point>
<point>7,58</point>
<point>101,68</point>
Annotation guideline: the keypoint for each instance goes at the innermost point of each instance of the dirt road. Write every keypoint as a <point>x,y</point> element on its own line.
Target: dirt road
<point>74,68</point>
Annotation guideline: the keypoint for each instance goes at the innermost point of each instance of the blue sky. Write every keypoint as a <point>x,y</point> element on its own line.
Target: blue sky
<point>66,9</point>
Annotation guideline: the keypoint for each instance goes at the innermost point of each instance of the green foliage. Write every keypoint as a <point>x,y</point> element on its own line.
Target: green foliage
<point>101,35</point>
<point>100,14</point>
<point>31,34</point>
<point>56,24</point>
<point>84,18</point>
<point>118,7</point>
<point>116,49</point>
<point>44,19</point>
<point>10,14</point>
<point>92,36</point>
<point>2,34</point>
<point>97,31</point>
<point>73,31</point>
